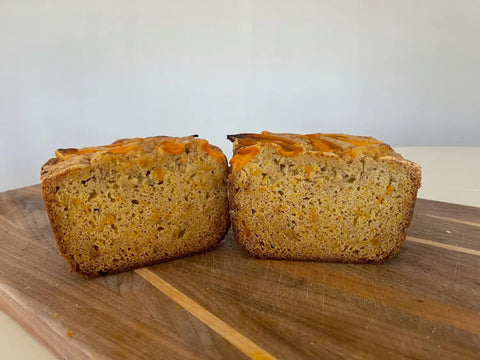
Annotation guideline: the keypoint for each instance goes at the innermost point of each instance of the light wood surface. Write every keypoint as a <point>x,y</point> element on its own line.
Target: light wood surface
<point>423,304</point>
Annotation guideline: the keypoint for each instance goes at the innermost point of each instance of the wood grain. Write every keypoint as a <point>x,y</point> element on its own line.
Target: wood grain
<point>422,304</point>
<point>247,346</point>
<point>444,246</point>
<point>470,223</point>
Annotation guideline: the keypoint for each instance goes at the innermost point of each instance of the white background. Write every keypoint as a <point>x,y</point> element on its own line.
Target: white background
<point>84,73</point>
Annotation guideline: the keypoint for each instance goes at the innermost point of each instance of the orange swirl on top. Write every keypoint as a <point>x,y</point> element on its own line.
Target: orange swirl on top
<point>265,136</point>
<point>164,144</point>
<point>118,147</point>
<point>352,139</point>
<point>243,156</point>
<point>248,149</point>
<point>322,144</point>
<point>171,147</point>
<point>214,152</point>
<point>291,145</point>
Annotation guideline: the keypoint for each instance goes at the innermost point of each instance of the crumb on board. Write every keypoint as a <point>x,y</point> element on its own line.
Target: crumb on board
<point>69,333</point>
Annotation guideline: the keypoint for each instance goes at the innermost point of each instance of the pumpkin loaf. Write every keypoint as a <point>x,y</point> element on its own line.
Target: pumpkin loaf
<point>320,197</point>
<point>136,202</point>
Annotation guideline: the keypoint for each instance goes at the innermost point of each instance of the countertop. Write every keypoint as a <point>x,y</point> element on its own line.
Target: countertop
<point>449,174</point>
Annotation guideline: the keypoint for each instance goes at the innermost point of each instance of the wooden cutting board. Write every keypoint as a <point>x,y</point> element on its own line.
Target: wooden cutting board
<point>422,304</point>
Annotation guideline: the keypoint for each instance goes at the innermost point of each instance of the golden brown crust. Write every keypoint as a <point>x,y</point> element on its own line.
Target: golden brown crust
<point>340,205</point>
<point>246,146</point>
<point>136,202</point>
<point>166,145</point>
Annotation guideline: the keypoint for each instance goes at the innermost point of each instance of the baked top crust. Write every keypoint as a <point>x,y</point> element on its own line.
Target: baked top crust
<point>247,146</point>
<point>72,158</point>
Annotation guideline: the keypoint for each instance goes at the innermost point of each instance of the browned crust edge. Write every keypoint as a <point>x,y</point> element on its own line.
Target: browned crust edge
<point>141,264</point>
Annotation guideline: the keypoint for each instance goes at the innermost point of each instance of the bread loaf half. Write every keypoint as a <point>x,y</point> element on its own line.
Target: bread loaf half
<point>136,202</point>
<point>320,197</point>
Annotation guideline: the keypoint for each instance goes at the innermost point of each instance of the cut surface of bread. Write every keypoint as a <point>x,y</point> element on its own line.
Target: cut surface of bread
<point>320,197</point>
<point>136,202</point>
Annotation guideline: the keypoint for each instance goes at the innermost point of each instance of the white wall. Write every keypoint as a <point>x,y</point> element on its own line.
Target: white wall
<point>79,73</point>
